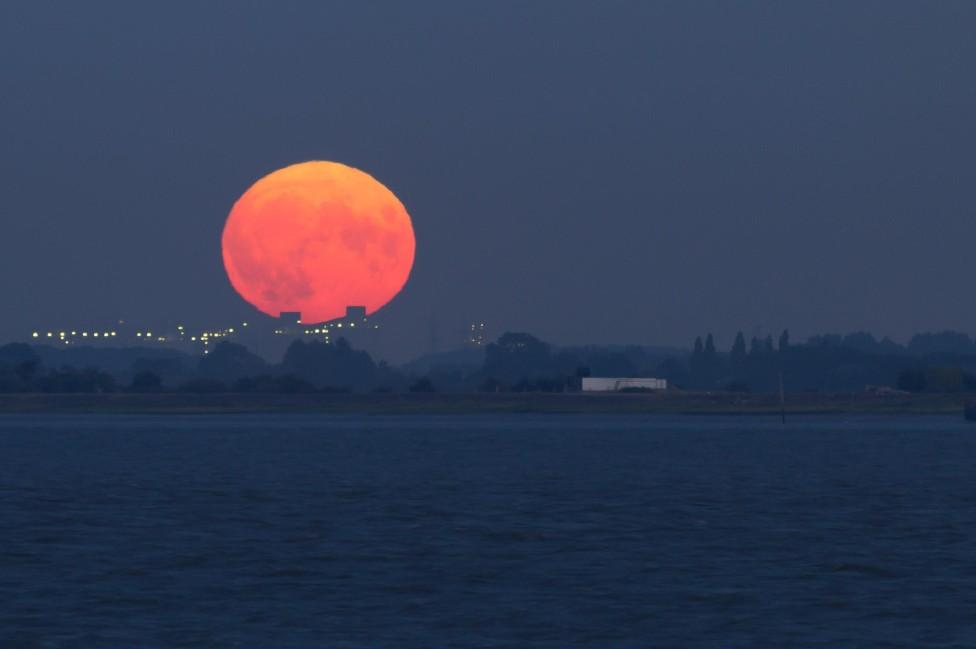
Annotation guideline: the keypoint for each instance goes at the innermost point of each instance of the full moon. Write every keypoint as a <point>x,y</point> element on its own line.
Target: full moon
<point>317,237</point>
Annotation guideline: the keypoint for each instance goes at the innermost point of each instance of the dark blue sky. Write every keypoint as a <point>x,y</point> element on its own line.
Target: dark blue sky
<point>588,171</point>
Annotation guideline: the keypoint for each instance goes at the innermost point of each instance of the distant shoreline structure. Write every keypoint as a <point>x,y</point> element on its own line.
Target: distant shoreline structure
<point>612,384</point>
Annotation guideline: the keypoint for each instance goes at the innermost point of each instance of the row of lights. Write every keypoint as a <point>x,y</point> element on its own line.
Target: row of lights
<point>325,330</point>
<point>139,334</point>
<point>64,334</point>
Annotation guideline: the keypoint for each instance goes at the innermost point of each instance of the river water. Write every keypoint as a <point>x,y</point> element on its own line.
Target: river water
<point>486,531</point>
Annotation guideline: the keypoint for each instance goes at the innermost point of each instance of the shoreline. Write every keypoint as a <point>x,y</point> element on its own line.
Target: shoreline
<point>687,403</point>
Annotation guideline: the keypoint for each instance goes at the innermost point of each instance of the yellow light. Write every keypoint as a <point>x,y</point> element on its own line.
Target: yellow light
<point>95,334</point>
<point>180,327</point>
<point>49,334</point>
<point>149,333</point>
<point>62,335</point>
<point>193,338</point>
<point>74,333</point>
<point>138,334</point>
<point>352,324</point>
<point>231,330</point>
<point>84,334</point>
<point>35,334</point>
<point>340,325</point>
<point>244,324</point>
<point>113,333</point>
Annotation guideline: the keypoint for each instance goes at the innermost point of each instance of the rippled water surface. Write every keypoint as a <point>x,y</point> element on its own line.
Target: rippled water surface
<point>508,531</point>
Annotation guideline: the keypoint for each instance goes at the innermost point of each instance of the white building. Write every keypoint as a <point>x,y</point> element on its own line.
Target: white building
<point>599,384</point>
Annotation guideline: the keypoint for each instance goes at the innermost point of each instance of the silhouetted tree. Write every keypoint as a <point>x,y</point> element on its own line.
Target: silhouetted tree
<point>291,384</point>
<point>263,383</point>
<point>943,379</point>
<point>267,384</point>
<point>862,341</point>
<point>946,342</point>
<point>27,370</point>
<point>515,356</point>
<point>826,340</point>
<point>709,346</point>
<point>784,340</point>
<point>68,379</point>
<point>490,384</point>
<point>423,384</point>
<point>146,382</point>
<point>229,361</point>
<point>16,353</point>
<point>674,371</point>
<point>889,346</point>
<point>170,370</point>
<point>23,366</point>
<point>202,386</point>
<point>330,364</point>
<point>912,380</point>
<point>704,364</point>
<point>737,354</point>
<point>550,385</point>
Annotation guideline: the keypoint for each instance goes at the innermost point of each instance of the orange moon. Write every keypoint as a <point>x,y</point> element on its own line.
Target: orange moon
<point>317,237</point>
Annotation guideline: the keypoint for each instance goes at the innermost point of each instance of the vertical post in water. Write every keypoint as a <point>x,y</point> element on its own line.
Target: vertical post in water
<point>782,399</point>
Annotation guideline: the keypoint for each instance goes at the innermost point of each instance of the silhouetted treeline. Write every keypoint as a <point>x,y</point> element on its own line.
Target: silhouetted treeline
<point>228,367</point>
<point>516,362</point>
<point>938,362</point>
<point>942,362</point>
<point>21,371</point>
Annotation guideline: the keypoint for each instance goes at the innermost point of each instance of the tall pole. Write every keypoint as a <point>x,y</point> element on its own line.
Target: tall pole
<point>782,399</point>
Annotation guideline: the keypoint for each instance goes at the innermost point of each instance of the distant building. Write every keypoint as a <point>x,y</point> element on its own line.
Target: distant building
<point>603,384</point>
<point>355,313</point>
<point>289,318</point>
<point>288,323</point>
<point>354,323</point>
<point>477,334</point>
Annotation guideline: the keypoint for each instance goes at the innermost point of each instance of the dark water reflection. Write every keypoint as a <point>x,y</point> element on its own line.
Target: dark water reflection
<point>514,531</point>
